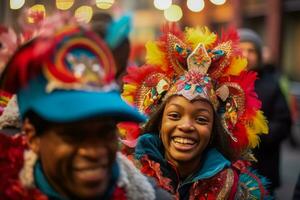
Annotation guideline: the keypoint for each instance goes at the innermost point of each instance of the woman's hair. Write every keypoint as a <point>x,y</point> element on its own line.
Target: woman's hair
<point>219,138</point>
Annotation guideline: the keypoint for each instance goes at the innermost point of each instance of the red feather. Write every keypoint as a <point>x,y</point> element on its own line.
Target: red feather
<point>25,64</point>
<point>172,28</point>
<point>240,133</point>
<point>246,80</point>
<point>3,29</point>
<point>231,34</point>
<point>136,75</point>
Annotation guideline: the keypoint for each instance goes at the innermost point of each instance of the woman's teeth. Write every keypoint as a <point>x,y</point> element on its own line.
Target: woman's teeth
<point>182,140</point>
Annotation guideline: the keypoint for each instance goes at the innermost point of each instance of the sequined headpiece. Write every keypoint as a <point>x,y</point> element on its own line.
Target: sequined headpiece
<point>197,63</point>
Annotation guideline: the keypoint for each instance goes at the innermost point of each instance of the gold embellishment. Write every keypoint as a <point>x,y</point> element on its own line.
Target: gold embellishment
<point>218,68</point>
<point>173,44</point>
<point>199,60</point>
<point>224,193</point>
<point>153,87</point>
<point>238,95</point>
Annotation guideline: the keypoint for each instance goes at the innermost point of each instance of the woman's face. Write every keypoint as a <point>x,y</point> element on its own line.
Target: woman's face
<point>77,158</point>
<point>186,129</point>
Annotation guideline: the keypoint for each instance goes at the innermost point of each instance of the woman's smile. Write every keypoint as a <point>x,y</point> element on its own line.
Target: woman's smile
<point>183,143</point>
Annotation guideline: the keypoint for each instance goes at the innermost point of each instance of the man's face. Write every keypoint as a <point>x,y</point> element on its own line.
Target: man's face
<point>77,158</point>
<point>249,51</point>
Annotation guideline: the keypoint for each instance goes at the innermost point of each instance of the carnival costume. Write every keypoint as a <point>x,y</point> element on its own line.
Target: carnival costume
<point>64,78</point>
<point>198,64</point>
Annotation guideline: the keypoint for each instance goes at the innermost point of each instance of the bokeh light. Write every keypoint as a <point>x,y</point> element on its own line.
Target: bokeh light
<point>162,4</point>
<point>173,13</point>
<point>16,4</point>
<point>40,8</point>
<point>64,4</point>
<point>104,4</point>
<point>195,5</point>
<point>218,2</point>
<point>84,13</point>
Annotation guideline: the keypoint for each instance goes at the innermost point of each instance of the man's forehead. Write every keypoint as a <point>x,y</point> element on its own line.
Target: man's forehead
<point>247,45</point>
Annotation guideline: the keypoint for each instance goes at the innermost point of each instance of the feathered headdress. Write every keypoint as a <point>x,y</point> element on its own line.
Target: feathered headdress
<point>197,63</point>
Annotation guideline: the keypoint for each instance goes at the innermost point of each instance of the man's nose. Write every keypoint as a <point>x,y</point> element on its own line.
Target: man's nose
<point>92,150</point>
<point>245,53</point>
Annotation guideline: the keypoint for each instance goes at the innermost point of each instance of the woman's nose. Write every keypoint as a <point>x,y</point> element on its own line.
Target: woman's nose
<point>186,125</point>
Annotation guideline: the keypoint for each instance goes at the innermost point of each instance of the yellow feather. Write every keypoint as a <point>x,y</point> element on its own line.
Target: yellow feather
<point>128,99</point>
<point>200,35</point>
<point>155,56</point>
<point>258,126</point>
<point>129,88</point>
<point>128,91</point>
<point>237,65</point>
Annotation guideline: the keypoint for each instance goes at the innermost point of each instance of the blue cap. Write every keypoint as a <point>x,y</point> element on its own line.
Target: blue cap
<point>73,80</point>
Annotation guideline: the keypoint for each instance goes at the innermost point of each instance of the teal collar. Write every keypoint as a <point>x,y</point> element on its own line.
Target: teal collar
<point>42,183</point>
<point>212,161</point>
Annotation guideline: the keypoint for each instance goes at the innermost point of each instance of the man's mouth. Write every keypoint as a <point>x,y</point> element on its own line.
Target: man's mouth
<point>90,174</point>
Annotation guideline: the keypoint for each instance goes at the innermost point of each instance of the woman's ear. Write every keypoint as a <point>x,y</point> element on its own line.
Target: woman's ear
<point>33,140</point>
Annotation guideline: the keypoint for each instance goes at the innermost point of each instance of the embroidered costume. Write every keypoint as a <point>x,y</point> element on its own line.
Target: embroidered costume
<point>198,64</point>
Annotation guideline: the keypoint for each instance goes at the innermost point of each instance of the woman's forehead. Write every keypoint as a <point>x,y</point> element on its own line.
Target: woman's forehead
<point>181,101</point>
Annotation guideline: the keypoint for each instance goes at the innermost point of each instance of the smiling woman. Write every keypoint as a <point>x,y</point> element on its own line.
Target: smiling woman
<point>204,116</point>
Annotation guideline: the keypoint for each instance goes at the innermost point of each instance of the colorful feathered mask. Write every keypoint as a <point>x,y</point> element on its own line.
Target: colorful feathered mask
<point>197,63</point>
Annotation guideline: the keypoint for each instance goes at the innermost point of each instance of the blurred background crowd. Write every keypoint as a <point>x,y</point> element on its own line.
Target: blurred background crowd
<point>277,22</point>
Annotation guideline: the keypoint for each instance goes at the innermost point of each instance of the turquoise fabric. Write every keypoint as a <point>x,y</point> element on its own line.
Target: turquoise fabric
<point>42,183</point>
<point>118,30</point>
<point>212,160</point>
<point>73,105</point>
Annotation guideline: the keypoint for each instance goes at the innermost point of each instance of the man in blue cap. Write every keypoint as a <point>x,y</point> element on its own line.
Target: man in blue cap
<point>69,105</point>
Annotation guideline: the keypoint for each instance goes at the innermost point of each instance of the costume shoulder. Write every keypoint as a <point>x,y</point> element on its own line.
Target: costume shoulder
<point>216,187</point>
<point>250,185</point>
<point>137,186</point>
<point>10,116</point>
<point>11,163</point>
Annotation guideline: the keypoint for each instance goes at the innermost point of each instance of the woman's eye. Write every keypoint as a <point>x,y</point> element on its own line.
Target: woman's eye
<point>174,115</point>
<point>201,120</point>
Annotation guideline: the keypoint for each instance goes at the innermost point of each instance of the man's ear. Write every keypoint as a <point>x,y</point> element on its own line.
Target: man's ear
<point>33,140</point>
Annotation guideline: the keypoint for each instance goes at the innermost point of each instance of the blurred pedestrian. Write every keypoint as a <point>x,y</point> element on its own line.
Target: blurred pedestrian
<point>297,189</point>
<point>274,106</point>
